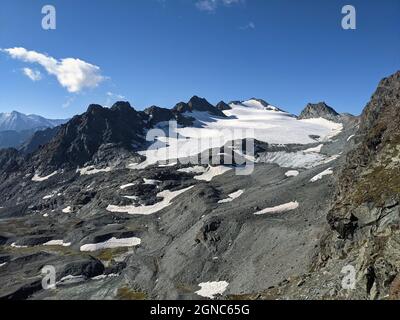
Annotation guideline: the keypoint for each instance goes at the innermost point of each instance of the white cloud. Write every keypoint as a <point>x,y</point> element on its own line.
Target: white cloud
<point>250,25</point>
<point>70,100</point>
<point>112,97</point>
<point>34,75</point>
<point>212,5</point>
<point>115,96</point>
<point>73,74</point>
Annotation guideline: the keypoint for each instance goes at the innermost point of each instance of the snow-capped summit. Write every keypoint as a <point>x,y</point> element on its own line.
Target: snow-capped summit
<point>16,121</point>
<point>259,104</point>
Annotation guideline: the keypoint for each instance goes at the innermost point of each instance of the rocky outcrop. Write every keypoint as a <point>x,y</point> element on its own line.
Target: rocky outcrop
<point>365,214</point>
<point>371,171</point>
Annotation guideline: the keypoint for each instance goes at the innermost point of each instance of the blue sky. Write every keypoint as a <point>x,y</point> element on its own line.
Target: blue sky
<point>160,52</point>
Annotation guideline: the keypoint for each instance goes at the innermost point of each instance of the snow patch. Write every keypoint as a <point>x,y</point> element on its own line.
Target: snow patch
<point>67,209</point>
<point>292,173</point>
<point>211,289</point>
<point>57,243</point>
<point>151,182</point>
<point>37,178</point>
<point>135,198</point>
<point>127,186</point>
<point>232,196</point>
<point>212,172</point>
<point>322,174</point>
<point>104,276</point>
<point>71,279</point>
<point>91,170</point>
<point>195,169</point>
<point>351,137</point>
<point>13,245</point>
<point>279,209</point>
<point>166,195</point>
<point>167,165</point>
<point>111,244</point>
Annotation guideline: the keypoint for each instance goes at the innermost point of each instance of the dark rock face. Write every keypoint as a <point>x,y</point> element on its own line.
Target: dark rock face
<point>371,173</point>
<point>319,110</point>
<point>10,160</point>
<point>156,115</point>
<point>77,141</point>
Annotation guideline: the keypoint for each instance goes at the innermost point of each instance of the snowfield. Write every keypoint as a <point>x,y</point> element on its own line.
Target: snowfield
<point>111,244</point>
<point>293,159</point>
<point>248,120</point>
<point>279,209</point>
<point>211,289</point>
<point>166,195</point>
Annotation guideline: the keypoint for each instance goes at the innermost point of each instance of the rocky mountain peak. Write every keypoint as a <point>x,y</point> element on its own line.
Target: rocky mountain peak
<point>77,141</point>
<point>122,106</point>
<point>198,104</point>
<point>223,106</point>
<point>319,110</point>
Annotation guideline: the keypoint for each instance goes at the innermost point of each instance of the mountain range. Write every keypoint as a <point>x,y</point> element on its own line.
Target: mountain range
<point>123,217</point>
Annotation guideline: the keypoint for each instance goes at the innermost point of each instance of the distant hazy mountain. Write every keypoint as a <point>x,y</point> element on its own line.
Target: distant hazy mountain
<point>16,121</point>
<point>17,129</point>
